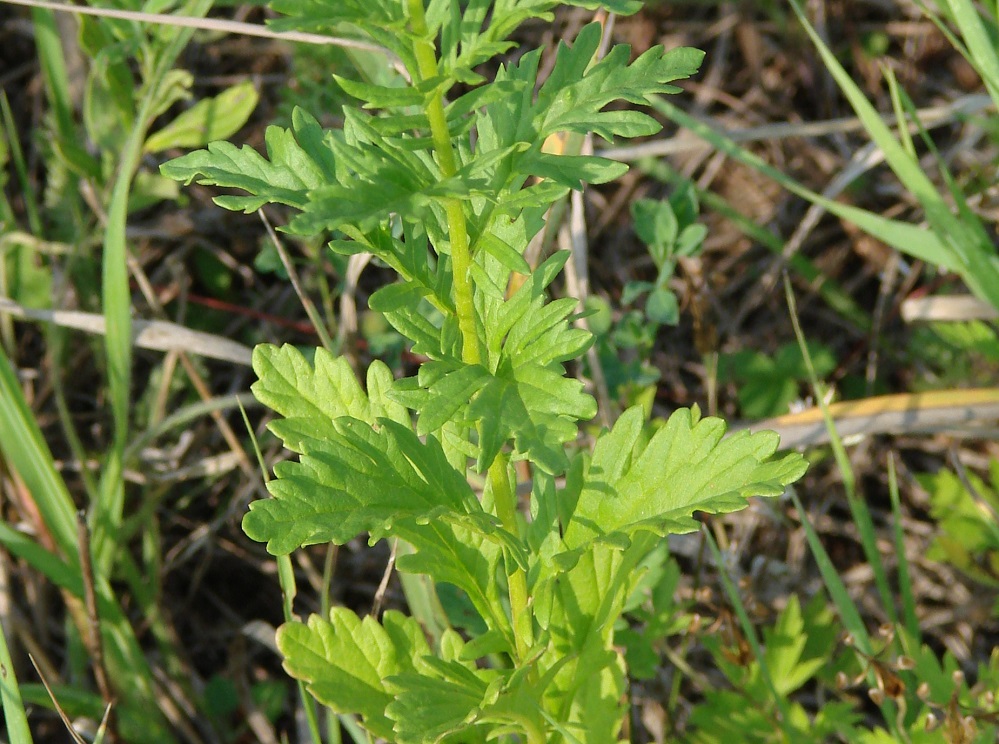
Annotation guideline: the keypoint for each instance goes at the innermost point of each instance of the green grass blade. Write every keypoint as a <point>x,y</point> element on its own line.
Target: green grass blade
<point>915,241</point>
<point>904,577</point>
<point>15,718</point>
<point>31,209</point>
<point>848,612</point>
<point>23,447</point>
<point>858,507</point>
<point>54,71</point>
<point>965,215</point>
<point>975,260</point>
<point>980,44</point>
<point>849,615</point>
<point>145,591</point>
<point>11,257</point>
<point>184,415</point>
<point>126,663</point>
<point>358,734</point>
<point>26,453</point>
<point>55,343</point>
<point>901,108</point>
<point>106,516</point>
<point>749,631</point>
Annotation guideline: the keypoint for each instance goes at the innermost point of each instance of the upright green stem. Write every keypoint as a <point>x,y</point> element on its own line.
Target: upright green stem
<point>461,261</point>
<point>461,257</point>
<point>506,509</point>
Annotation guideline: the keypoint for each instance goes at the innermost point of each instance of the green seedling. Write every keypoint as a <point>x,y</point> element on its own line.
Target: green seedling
<point>625,343</point>
<point>443,177</point>
<point>768,384</point>
<point>798,648</point>
<point>671,231</point>
<point>967,512</point>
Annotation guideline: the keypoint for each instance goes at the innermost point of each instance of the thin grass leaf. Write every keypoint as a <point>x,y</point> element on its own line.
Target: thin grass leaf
<point>848,612</point>
<point>357,734</point>
<point>103,728</point>
<point>106,513</point>
<point>901,105</point>
<point>55,339</point>
<point>289,267</point>
<point>915,241</point>
<point>23,447</point>
<point>79,703</point>
<point>185,415</point>
<point>20,167</point>
<point>54,701</point>
<point>15,718</point>
<point>749,631</point>
<point>980,45</point>
<point>127,665</point>
<point>965,214</point>
<point>858,507</point>
<point>904,577</point>
<point>53,64</point>
<point>975,259</point>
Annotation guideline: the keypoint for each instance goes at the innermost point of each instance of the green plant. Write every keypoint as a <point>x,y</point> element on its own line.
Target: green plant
<point>448,194</point>
<point>768,384</point>
<point>965,508</point>
<point>624,345</point>
<point>94,144</point>
<point>797,649</point>
<point>624,342</point>
<point>670,230</point>
<point>955,238</point>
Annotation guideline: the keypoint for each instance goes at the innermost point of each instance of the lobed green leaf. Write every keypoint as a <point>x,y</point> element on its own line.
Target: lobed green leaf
<point>685,467</point>
<point>465,555</point>
<point>325,390</point>
<point>353,478</point>
<point>382,22</point>
<point>444,699</point>
<point>572,171</point>
<point>574,95</point>
<point>345,661</point>
<point>298,160</point>
<point>535,406</point>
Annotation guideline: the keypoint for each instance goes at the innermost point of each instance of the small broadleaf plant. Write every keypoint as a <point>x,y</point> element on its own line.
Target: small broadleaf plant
<point>444,178</point>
